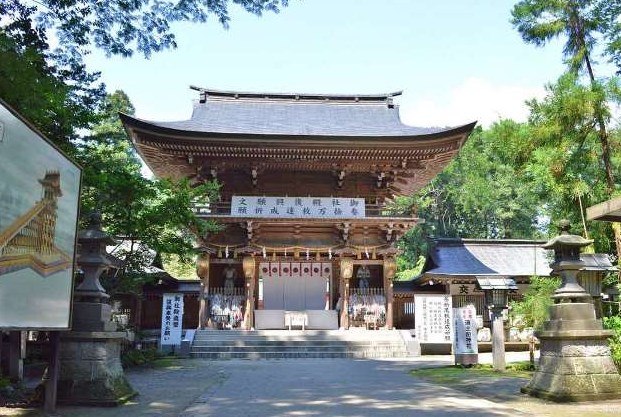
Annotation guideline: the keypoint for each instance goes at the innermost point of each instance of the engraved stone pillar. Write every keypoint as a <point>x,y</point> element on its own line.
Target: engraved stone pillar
<point>390,268</point>
<point>202,270</point>
<point>575,362</point>
<point>249,267</point>
<point>347,271</point>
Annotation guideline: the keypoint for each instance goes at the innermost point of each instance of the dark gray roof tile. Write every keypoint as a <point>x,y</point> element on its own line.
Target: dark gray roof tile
<point>291,117</point>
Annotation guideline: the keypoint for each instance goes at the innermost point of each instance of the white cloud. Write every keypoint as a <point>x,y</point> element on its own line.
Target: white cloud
<point>473,99</point>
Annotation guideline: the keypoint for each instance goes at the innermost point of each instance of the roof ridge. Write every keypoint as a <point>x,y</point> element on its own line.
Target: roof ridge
<point>313,97</point>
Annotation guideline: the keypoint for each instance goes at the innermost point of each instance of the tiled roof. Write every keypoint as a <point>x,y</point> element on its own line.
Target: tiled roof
<point>489,257</point>
<point>297,115</point>
<point>597,262</point>
<point>499,257</point>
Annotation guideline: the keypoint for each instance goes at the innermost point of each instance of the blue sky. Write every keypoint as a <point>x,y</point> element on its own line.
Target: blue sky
<point>456,61</point>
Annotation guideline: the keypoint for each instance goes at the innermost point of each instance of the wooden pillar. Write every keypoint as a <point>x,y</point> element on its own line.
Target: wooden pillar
<point>202,270</point>
<point>17,353</point>
<point>249,267</point>
<point>347,270</point>
<point>390,268</point>
<point>138,312</point>
<point>51,377</point>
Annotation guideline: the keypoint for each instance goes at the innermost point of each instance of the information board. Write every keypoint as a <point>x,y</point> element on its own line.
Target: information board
<point>172,319</point>
<point>433,318</point>
<point>465,328</point>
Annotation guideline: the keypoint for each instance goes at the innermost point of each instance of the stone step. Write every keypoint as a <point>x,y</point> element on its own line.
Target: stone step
<point>326,348</point>
<point>292,355</point>
<point>279,344</point>
<point>259,342</point>
<point>284,335</point>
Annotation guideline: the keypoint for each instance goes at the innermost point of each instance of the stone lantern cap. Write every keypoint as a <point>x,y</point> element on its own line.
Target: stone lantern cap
<point>93,242</point>
<point>565,240</point>
<point>93,233</point>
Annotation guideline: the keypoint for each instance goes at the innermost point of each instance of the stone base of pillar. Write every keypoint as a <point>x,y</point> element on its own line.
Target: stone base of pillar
<point>91,371</point>
<point>575,362</point>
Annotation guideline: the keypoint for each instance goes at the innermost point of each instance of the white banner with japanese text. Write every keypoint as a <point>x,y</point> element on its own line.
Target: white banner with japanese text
<point>433,317</point>
<point>297,207</point>
<point>172,318</point>
<point>465,325</point>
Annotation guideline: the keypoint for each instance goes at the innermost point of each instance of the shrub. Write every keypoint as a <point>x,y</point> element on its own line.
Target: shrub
<point>534,307</point>
<point>139,357</point>
<point>614,323</point>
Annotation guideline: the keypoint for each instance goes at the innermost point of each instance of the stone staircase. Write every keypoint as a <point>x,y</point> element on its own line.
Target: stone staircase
<point>281,344</point>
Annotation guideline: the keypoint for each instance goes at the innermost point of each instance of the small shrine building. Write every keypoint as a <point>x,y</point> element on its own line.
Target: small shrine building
<point>308,236</point>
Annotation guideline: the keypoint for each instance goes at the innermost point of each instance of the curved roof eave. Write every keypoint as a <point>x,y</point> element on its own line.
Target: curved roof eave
<point>144,125</point>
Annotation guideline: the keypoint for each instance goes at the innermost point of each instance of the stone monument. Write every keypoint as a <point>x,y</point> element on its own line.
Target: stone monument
<point>575,362</point>
<point>90,362</point>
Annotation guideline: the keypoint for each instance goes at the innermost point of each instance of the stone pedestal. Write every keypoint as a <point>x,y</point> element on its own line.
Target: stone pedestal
<point>90,359</point>
<point>90,371</point>
<point>575,362</point>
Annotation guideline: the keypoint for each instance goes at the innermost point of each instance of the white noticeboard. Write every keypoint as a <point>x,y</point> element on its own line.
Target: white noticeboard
<point>172,319</point>
<point>297,207</point>
<point>465,325</point>
<point>433,317</point>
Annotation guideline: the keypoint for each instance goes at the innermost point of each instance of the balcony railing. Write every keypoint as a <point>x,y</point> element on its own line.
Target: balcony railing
<point>224,209</point>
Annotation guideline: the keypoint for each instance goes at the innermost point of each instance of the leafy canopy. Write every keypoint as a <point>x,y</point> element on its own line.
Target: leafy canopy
<point>148,215</point>
<point>120,27</point>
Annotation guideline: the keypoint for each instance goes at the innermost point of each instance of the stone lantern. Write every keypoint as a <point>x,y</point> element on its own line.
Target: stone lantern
<point>575,362</point>
<point>90,362</point>
<point>496,290</point>
<point>93,261</point>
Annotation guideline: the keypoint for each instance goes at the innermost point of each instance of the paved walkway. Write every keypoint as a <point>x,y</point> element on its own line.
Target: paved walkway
<point>321,387</point>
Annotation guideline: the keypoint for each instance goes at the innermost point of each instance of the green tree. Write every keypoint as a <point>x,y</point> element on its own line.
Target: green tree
<point>534,308</point>
<point>565,165</point>
<point>581,23</point>
<point>481,193</point>
<point>608,12</point>
<point>539,21</point>
<point>120,27</point>
<point>149,215</point>
<point>58,101</point>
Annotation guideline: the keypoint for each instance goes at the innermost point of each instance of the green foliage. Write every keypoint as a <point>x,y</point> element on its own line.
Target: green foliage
<point>178,267</point>
<point>135,357</point>
<point>534,308</point>
<point>58,100</point>
<point>457,374</point>
<point>524,366</point>
<point>566,164</point>
<point>149,215</point>
<point>539,21</point>
<point>406,273</point>
<point>481,193</point>
<point>614,324</point>
<point>122,27</point>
